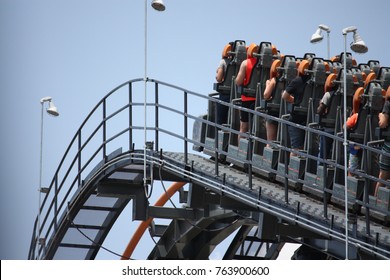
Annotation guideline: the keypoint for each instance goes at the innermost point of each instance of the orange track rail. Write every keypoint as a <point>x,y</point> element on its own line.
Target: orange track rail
<point>145,224</point>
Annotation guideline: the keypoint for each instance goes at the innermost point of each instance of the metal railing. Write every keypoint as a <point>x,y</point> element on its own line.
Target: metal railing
<point>114,122</point>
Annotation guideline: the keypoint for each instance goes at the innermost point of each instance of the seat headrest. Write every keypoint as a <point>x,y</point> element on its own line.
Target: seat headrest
<point>355,79</point>
<point>388,93</point>
<point>364,76</point>
<point>327,66</point>
<point>329,83</point>
<point>357,99</point>
<point>273,72</point>
<point>253,48</point>
<point>303,65</point>
<point>226,50</point>
<point>335,59</point>
<point>369,78</point>
<point>274,50</point>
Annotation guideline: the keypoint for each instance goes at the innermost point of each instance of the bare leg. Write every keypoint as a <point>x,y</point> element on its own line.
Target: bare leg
<point>382,175</point>
<point>272,130</point>
<point>243,129</point>
<point>294,154</point>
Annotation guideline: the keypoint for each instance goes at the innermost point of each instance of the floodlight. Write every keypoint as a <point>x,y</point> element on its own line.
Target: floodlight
<point>158,5</point>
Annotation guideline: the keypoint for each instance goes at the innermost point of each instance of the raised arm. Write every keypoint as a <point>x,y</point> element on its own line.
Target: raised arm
<point>384,115</point>
<point>269,88</point>
<point>220,74</point>
<point>288,97</point>
<point>383,120</point>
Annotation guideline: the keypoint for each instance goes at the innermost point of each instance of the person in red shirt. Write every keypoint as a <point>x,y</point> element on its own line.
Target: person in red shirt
<point>243,79</point>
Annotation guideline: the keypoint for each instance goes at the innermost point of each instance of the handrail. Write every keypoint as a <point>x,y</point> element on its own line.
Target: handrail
<point>77,157</point>
<point>83,153</point>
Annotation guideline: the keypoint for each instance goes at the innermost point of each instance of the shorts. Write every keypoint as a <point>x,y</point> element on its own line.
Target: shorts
<point>269,121</point>
<point>272,121</point>
<point>384,161</point>
<point>297,137</point>
<point>244,116</point>
<point>355,156</point>
<point>354,161</point>
<point>223,111</point>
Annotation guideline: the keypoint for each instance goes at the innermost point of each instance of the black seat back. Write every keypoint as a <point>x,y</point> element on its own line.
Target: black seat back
<point>329,119</point>
<point>237,55</point>
<point>374,66</point>
<point>365,68</point>
<point>349,60</point>
<point>301,106</point>
<point>288,68</point>
<point>367,121</point>
<point>320,70</point>
<point>384,77</point>
<point>359,76</point>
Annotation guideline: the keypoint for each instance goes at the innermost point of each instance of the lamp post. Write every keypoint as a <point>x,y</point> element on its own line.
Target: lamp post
<point>357,46</point>
<point>51,110</point>
<point>158,5</point>
<point>317,36</point>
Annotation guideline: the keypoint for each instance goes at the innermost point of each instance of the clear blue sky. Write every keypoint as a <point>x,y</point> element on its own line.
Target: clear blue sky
<point>76,51</point>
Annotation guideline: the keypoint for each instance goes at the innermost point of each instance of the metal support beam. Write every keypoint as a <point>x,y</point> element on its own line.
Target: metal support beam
<point>173,213</point>
<point>126,189</point>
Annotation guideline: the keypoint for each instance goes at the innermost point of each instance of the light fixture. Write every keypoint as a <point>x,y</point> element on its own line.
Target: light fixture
<point>357,46</point>
<point>158,5</point>
<point>317,36</point>
<point>51,110</point>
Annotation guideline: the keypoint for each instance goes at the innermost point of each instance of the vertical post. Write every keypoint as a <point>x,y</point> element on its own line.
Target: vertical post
<point>156,115</point>
<point>367,182</point>
<point>104,130</point>
<point>366,204</point>
<point>328,37</point>
<point>130,116</point>
<point>40,185</point>
<point>286,154</point>
<point>56,202</point>
<point>52,110</point>
<point>159,6</point>
<point>145,85</point>
<point>79,159</point>
<point>345,146</point>
<point>40,157</point>
<point>216,153</point>
<point>324,148</point>
<point>284,130</point>
<point>325,180</point>
<point>249,150</point>
<point>185,128</point>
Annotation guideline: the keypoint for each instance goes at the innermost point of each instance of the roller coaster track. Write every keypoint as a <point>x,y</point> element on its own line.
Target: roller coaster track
<point>102,170</point>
